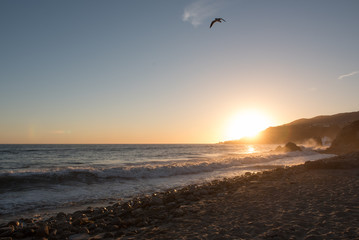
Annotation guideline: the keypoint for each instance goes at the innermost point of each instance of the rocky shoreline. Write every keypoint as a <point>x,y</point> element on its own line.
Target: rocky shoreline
<point>315,200</point>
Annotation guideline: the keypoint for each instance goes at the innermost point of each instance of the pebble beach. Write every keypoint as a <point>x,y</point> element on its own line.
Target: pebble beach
<point>315,200</point>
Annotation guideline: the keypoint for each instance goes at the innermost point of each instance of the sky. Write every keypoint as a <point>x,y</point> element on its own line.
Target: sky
<point>154,72</point>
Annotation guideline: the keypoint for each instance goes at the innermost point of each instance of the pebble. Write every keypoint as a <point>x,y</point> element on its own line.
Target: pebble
<point>178,212</point>
<point>79,236</point>
<point>42,230</point>
<point>156,201</point>
<point>14,223</point>
<point>7,231</point>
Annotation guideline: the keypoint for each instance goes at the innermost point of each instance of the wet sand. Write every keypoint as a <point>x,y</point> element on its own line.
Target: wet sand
<point>316,200</point>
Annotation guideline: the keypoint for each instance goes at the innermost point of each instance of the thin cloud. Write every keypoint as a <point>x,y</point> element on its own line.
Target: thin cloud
<point>348,75</point>
<point>200,10</point>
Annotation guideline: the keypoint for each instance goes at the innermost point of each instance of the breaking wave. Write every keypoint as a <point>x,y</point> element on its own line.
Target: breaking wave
<point>69,175</point>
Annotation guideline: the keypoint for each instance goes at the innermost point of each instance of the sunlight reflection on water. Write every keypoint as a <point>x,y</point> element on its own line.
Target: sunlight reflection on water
<point>251,149</point>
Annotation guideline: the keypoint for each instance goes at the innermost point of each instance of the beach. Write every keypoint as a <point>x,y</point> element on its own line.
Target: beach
<point>315,200</point>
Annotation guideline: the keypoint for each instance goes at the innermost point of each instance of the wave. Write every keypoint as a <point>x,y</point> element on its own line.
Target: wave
<point>90,175</point>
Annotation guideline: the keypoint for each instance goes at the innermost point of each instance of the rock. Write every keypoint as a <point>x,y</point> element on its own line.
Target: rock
<point>92,226</point>
<point>6,231</point>
<point>181,200</point>
<point>64,226</point>
<point>292,147</point>
<point>171,205</point>
<point>97,216</point>
<point>109,235</point>
<point>289,147</point>
<point>137,212</point>
<point>112,228</point>
<point>14,223</point>
<point>19,235</point>
<point>81,221</point>
<point>78,214</point>
<point>42,230</point>
<point>178,212</point>
<point>98,230</point>
<point>347,140</point>
<point>119,234</point>
<point>61,215</point>
<point>313,237</point>
<point>203,192</point>
<point>64,234</point>
<point>28,231</point>
<point>89,210</point>
<point>80,236</point>
<point>98,236</point>
<point>156,201</point>
<point>84,230</point>
<point>53,232</point>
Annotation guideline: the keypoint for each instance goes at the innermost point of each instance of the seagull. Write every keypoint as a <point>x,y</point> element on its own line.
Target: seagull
<point>216,20</point>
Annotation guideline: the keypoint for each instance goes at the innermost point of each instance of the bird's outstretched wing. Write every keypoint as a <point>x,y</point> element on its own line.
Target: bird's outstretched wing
<point>216,20</point>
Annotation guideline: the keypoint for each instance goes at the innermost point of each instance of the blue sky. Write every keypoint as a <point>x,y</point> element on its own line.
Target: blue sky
<point>153,71</point>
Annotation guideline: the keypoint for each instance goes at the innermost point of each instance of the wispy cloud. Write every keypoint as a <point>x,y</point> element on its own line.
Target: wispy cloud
<point>200,10</point>
<point>348,75</point>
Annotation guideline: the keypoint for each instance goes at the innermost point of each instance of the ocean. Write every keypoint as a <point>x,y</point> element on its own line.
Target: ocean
<point>43,179</point>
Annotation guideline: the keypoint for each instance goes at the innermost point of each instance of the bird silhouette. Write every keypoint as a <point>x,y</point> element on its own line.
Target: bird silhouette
<point>216,20</point>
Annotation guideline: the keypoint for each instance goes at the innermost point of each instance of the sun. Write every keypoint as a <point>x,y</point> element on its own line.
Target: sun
<point>246,124</point>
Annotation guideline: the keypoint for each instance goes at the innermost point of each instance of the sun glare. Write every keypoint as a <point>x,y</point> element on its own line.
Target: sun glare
<point>250,149</point>
<point>247,124</point>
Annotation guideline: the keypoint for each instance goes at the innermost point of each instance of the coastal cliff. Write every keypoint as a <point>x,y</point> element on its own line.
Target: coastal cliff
<point>347,140</point>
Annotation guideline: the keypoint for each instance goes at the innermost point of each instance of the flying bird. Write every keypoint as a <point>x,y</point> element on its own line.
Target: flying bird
<point>216,20</point>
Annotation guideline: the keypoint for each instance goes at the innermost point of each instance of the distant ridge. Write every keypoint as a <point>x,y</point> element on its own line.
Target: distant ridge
<point>340,119</point>
<point>303,130</point>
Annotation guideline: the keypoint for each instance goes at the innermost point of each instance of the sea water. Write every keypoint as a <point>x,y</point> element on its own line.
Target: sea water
<point>39,178</point>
